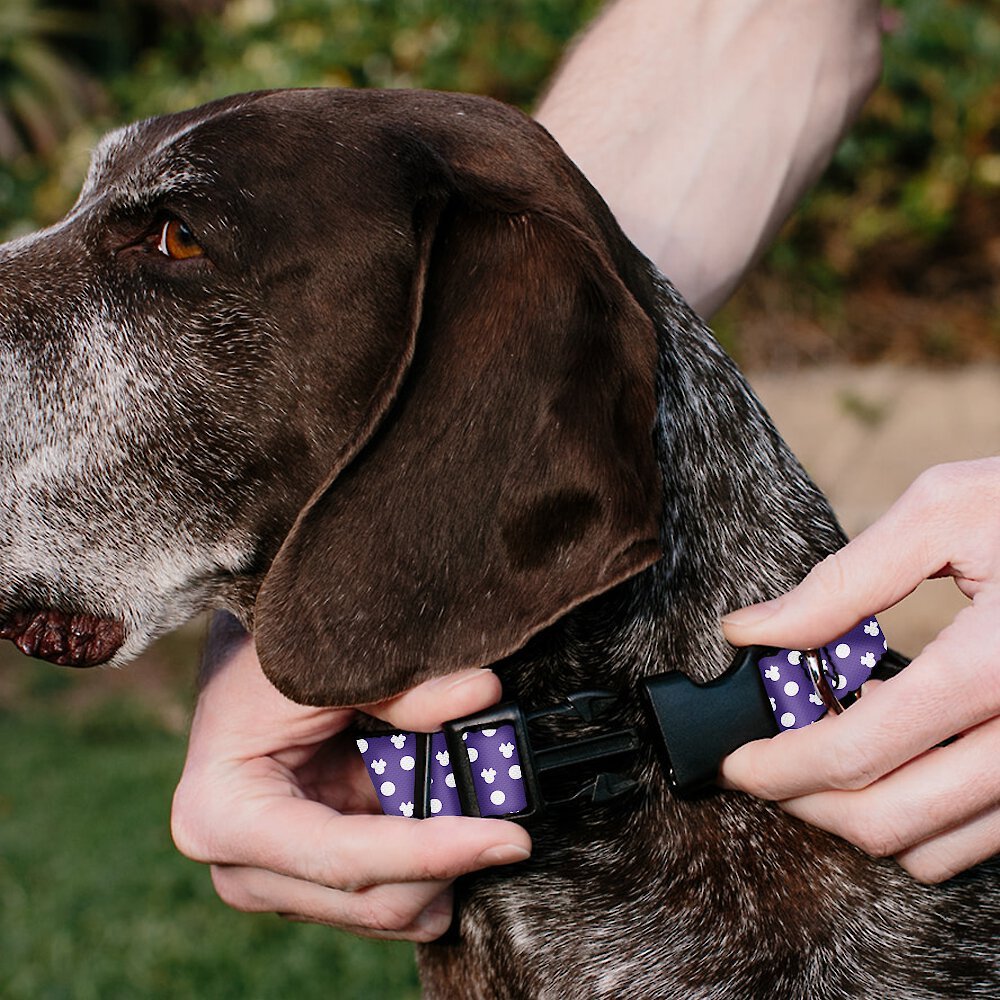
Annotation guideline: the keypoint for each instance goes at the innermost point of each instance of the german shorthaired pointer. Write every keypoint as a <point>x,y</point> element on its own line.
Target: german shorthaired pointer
<point>380,374</point>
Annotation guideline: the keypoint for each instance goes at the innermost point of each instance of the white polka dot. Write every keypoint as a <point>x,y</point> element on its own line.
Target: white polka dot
<point>774,704</point>
<point>788,720</point>
<point>435,806</point>
<point>497,798</point>
<point>449,780</point>
<point>842,650</point>
<point>363,746</point>
<point>406,763</point>
<point>841,682</point>
<point>387,788</point>
<point>514,771</point>
<point>489,732</point>
<point>794,657</point>
<point>473,754</point>
<point>791,689</point>
<point>465,736</point>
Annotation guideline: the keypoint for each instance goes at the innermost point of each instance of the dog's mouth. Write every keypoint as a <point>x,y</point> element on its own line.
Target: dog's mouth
<point>67,638</point>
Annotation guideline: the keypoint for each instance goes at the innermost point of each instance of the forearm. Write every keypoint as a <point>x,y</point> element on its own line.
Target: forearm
<point>702,122</point>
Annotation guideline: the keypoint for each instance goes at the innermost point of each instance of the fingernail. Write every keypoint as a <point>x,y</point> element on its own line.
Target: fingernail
<point>753,615</point>
<point>503,854</point>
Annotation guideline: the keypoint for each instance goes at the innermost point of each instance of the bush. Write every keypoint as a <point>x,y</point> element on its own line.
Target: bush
<point>912,200</point>
<point>505,48</point>
<point>925,151</point>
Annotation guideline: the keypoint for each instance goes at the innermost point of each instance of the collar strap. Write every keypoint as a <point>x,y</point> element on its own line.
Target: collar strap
<point>493,764</point>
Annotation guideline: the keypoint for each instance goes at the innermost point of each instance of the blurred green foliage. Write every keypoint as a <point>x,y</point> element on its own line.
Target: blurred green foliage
<point>505,48</point>
<point>98,904</point>
<point>926,151</point>
<point>175,57</point>
<point>43,92</point>
<point>919,177</point>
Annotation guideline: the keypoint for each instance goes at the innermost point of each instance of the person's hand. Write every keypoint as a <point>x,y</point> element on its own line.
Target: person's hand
<point>275,797</point>
<point>876,775</point>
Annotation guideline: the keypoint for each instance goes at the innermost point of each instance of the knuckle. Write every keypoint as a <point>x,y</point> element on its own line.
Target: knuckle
<point>940,505</point>
<point>390,914</point>
<point>755,778</point>
<point>934,490</point>
<point>337,874</point>
<point>341,866</point>
<point>986,687</point>
<point>343,873</point>
<point>829,577</point>
<point>188,827</point>
<point>853,768</point>
<point>431,865</point>
<point>874,835</point>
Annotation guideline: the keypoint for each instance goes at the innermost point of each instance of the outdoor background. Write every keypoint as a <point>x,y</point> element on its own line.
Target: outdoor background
<point>872,330</point>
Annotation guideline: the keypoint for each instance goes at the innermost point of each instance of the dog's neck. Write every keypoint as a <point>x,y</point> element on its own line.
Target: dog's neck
<point>735,501</point>
<point>720,896</point>
<point>734,495</point>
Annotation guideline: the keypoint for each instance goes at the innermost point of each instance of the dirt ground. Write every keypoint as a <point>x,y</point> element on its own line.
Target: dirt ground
<point>865,433</point>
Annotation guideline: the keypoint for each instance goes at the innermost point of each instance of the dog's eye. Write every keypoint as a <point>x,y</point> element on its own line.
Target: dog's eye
<point>177,241</point>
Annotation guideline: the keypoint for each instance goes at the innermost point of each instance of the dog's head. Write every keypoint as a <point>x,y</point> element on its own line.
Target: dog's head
<point>362,367</point>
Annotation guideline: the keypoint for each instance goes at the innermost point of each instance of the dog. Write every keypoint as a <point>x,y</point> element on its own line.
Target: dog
<point>379,374</point>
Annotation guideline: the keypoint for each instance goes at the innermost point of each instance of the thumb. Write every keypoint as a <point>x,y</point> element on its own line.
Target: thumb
<point>880,567</point>
<point>426,706</point>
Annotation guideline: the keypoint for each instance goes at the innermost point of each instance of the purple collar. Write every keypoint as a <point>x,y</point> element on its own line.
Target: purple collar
<point>490,763</point>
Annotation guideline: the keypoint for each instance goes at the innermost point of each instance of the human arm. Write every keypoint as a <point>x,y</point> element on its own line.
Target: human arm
<point>876,775</point>
<point>702,122</point>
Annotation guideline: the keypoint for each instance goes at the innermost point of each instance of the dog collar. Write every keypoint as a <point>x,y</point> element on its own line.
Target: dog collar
<point>494,764</point>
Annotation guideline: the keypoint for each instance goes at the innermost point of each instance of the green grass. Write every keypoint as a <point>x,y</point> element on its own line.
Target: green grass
<point>95,902</point>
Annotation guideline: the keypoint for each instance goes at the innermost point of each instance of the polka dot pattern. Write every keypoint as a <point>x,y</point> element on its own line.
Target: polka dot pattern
<point>499,788</point>
<point>847,663</point>
<point>443,789</point>
<point>492,753</point>
<point>384,756</point>
<point>496,765</point>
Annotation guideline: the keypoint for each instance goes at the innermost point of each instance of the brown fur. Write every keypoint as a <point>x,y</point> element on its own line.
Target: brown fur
<point>422,406</point>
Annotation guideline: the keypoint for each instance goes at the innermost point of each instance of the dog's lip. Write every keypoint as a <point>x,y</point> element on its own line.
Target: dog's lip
<point>69,638</point>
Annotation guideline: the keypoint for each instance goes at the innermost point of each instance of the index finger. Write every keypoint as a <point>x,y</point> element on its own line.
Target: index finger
<point>306,840</point>
<point>913,541</point>
<point>952,686</point>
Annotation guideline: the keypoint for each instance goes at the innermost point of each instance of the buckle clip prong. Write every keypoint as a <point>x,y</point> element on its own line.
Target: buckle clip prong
<point>537,762</point>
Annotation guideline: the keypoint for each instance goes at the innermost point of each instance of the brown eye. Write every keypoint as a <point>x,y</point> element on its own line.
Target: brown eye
<point>178,242</point>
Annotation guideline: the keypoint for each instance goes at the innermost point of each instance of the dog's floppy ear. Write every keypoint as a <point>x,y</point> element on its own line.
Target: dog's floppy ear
<point>512,477</point>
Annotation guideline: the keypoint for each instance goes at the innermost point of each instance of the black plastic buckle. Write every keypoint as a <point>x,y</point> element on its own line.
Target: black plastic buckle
<point>700,724</point>
<point>697,725</point>
<point>539,761</point>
